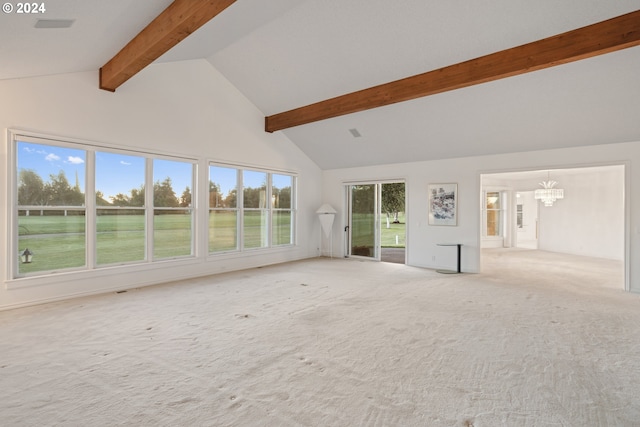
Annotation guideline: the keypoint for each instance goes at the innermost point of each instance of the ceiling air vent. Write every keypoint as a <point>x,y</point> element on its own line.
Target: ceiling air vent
<point>54,23</point>
<point>355,133</point>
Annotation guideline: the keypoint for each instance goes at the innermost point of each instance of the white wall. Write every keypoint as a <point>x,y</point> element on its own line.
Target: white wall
<point>183,108</point>
<point>422,239</point>
<point>589,221</point>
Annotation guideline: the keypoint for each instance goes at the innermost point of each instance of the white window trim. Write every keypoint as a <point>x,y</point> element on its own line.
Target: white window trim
<point>14,136</point>
<point>200,252</point>
<point>502,212</point>
<point>240,168</point>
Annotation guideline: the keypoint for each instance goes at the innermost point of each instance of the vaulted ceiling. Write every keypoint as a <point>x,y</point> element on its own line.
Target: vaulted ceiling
<point>284,54</point>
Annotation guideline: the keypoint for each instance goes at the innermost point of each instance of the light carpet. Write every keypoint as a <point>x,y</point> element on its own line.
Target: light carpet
<point>334,342</point>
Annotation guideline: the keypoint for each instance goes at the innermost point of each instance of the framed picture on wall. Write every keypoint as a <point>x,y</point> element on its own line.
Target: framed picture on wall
<point>443,204</point>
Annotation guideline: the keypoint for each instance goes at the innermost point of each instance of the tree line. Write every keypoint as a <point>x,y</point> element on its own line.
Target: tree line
<point>57,191</point>
<point>392,203</point>
<point>34,191</point>
<point>254,197</point>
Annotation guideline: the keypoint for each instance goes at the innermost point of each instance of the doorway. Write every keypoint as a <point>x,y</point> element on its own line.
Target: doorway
<point>377,221</point>
<point>587,220</point>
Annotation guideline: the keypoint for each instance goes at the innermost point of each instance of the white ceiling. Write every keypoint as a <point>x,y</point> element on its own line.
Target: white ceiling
<point>284,54</point>
<point>100,30</point>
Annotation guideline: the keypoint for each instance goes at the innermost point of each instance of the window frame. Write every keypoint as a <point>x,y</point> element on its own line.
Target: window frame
<point>236,209</point>
<point>14,137</point>
<point>519,216</point>
<point>262,210</point>
<point>142,208</point>
<point>200,255</point>
<point>291,209</point>
<point>13,258</point>
<point>500,212</point>
<point>268,209</point>
<point>150,201</point>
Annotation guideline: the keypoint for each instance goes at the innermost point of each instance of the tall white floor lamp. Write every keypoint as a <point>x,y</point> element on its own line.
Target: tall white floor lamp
<point>327,213</point>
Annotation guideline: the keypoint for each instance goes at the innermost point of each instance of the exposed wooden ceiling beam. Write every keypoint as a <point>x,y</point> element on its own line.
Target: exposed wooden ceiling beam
<point>597,39</point>
<point>173,25</point>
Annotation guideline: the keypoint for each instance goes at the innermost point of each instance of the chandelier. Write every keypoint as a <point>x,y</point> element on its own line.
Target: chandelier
<point>547,193</point>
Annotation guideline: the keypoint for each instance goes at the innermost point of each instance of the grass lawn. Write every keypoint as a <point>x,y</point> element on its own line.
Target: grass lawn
<point>59,242</point>
<point>362,234</point>
<point>388,235</point>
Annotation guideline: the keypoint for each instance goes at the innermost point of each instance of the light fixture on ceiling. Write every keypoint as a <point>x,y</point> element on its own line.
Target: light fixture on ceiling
<point>54,23</point>
<point>548,194</point>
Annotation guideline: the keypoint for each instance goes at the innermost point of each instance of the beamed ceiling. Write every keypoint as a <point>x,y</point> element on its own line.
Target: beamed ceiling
<point>501,75</point>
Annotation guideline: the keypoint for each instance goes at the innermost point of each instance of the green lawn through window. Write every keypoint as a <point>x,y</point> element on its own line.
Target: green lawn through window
<point>58,241</point>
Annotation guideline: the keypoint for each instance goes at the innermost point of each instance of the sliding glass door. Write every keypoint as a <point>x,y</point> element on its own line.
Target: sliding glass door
<point>364,220</point>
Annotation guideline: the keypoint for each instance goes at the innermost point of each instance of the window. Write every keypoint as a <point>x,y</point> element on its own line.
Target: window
<point>79,206</point>
<point>519,222</point>
<point>493,214</point>
<point>256,215</point>
<point>281,226</point>
<point>249,209</point>
<point>120,208</point>
<point>223,209</point>
<point>172,214</point>
<point>51,207</point>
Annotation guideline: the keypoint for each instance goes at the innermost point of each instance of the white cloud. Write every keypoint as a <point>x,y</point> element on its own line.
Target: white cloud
<point>52,157</point>
<point>75,160</point>
<point>29,150</point>
<point>122,162</point>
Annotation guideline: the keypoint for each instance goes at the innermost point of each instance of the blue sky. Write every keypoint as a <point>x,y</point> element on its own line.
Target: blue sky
<point>46,160</point>
<point>115,173</point>
<point>226,178</point>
